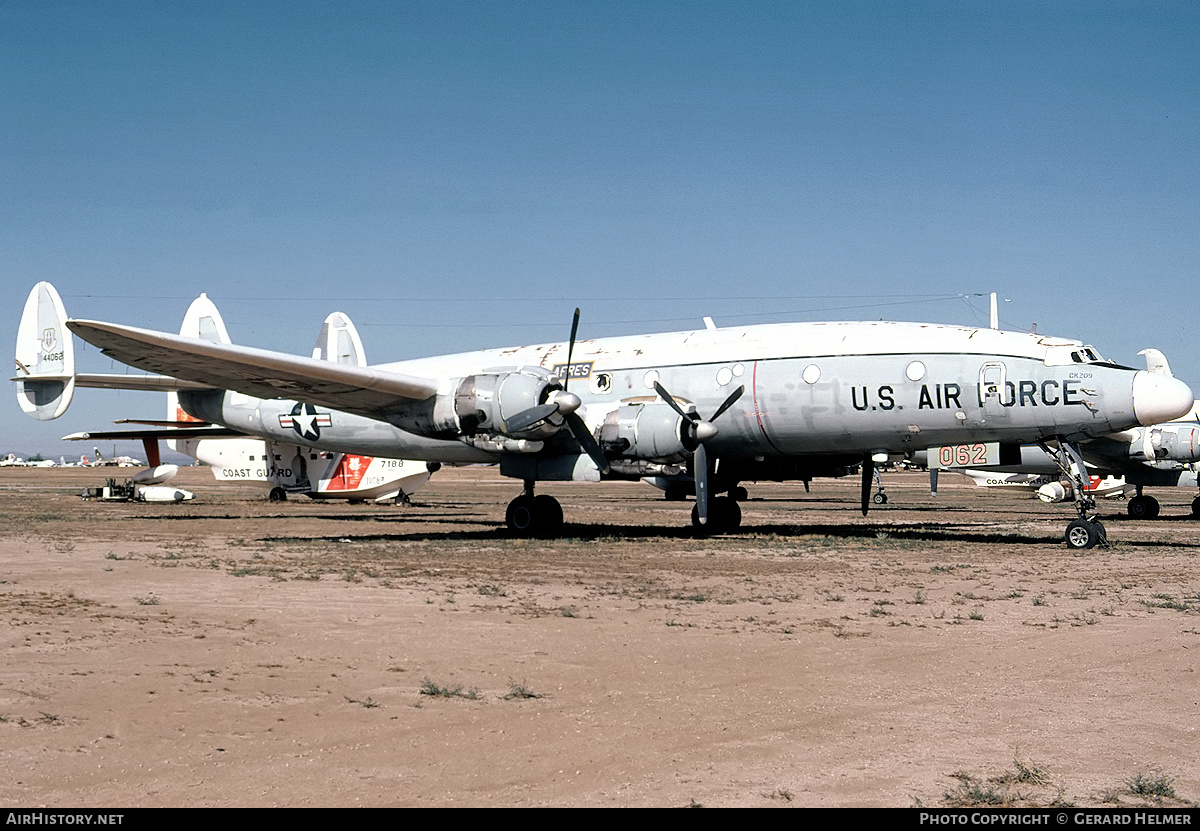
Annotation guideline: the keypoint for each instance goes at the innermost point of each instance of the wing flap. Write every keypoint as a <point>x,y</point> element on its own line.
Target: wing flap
<point>257,372</point>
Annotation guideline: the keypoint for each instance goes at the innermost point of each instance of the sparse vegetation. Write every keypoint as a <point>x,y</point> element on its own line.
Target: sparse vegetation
<point>1154,784</point>
<point>430,688</point>
<point>520,690</point>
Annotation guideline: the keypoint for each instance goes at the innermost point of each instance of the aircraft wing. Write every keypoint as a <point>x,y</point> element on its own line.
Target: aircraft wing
<point>257,372</point>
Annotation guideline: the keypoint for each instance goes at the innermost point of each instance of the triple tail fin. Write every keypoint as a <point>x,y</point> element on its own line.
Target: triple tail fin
<point>203,322</point>
<point>339,342</point>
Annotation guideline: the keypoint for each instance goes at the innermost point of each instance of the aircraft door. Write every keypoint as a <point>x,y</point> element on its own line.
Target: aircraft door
<point>993,387</point>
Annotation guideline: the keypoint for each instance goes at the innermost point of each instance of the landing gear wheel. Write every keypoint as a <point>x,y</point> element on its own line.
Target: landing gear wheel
<point>277,495</point>
<point>879,498</point>
<point>520,516</point>
<point>729,513</point>
<point>724,514</point>
<point>1082,534</point>
<point>1196,508</point>
<point>675,492</point>
<point>534,516</point>
<point>739,494</point>
<point>548,515</point>
<point>1143,507</point>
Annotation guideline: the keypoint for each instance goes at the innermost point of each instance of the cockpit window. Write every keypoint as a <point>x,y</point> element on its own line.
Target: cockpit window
<point>1060,355</point>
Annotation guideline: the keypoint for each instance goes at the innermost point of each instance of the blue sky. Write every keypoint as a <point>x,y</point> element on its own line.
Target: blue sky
<point>462,175</point>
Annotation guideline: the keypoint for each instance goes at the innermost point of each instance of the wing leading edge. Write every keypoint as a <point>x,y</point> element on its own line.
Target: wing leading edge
<point>258,372</point>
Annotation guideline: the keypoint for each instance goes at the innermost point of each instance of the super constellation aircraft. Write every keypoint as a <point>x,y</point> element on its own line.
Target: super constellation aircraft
<point>734,403</point>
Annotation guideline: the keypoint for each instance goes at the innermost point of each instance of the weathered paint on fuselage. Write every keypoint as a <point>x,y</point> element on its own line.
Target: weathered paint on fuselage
<point>811,388</point>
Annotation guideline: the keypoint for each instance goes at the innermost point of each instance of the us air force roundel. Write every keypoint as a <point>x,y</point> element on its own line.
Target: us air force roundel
<point>306,421</point>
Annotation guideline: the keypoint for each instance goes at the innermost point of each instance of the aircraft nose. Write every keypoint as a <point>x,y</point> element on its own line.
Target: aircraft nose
<point>1158,398</point>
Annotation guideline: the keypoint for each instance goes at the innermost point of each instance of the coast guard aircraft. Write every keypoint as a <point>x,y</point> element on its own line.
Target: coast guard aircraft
<point>733,403</point>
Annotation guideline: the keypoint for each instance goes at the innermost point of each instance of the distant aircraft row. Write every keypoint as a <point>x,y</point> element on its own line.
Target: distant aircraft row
<point>724,405</point>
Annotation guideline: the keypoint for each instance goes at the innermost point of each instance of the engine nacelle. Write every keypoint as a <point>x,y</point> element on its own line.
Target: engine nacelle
<point>483,404</point>
<point>1176,443</point>
<point>652,432</point>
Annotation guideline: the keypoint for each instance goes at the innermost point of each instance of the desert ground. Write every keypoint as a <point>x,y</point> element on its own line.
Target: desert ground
<point>942,651</point>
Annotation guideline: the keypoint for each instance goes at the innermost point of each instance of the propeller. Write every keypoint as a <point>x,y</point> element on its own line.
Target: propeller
<point>576,424</point>
<point>565,404</point>
<point>699,432</point>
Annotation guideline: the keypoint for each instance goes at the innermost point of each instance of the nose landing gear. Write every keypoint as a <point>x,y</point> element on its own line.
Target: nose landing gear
<point>1085,532</point>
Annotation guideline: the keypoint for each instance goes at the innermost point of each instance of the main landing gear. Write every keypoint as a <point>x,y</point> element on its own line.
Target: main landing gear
<point>724,514</point>
<point>1142,507</point>
<point>541,515</point>
<point>534,516</point>
<point>1085,532</point>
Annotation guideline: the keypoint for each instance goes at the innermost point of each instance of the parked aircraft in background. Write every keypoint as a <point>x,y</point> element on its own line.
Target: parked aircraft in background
<point>1049,487</point>
<point>730,402</point>
<point>12,460</point>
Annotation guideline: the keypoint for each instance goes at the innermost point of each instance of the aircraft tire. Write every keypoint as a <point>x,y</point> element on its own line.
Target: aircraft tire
<point>521,516</point>
<point>724,514</point>
<point>1082,534</point>
<point>1143,507</point>
<point>534,516</point>
<point>1196,508</point>
<point>739,494</point>
<point>729,512</point>
<point>879,499</point>
<point>277,495</point>
<point>675,492</point>
<point>548,515</point>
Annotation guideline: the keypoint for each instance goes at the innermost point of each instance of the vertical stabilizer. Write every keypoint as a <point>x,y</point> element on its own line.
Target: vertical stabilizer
<point>45,356</point>
<point>203,322</point>
<point>339,342</point>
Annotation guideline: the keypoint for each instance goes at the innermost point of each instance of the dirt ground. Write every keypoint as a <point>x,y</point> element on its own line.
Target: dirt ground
<point>945,651</point>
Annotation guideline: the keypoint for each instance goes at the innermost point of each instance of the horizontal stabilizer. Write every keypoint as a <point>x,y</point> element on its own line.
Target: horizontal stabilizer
<point>149,383</point>
<point>210,432</point>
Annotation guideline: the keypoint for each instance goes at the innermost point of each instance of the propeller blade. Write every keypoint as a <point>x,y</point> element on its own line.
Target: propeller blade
<point>527,418</point>
<point>728,402</point>
<point>933,477</point>
<point>582,435</point>
<point>700,475</point>
<point>666,396</point>
<point>571,349</point>
<point>868,474</point>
